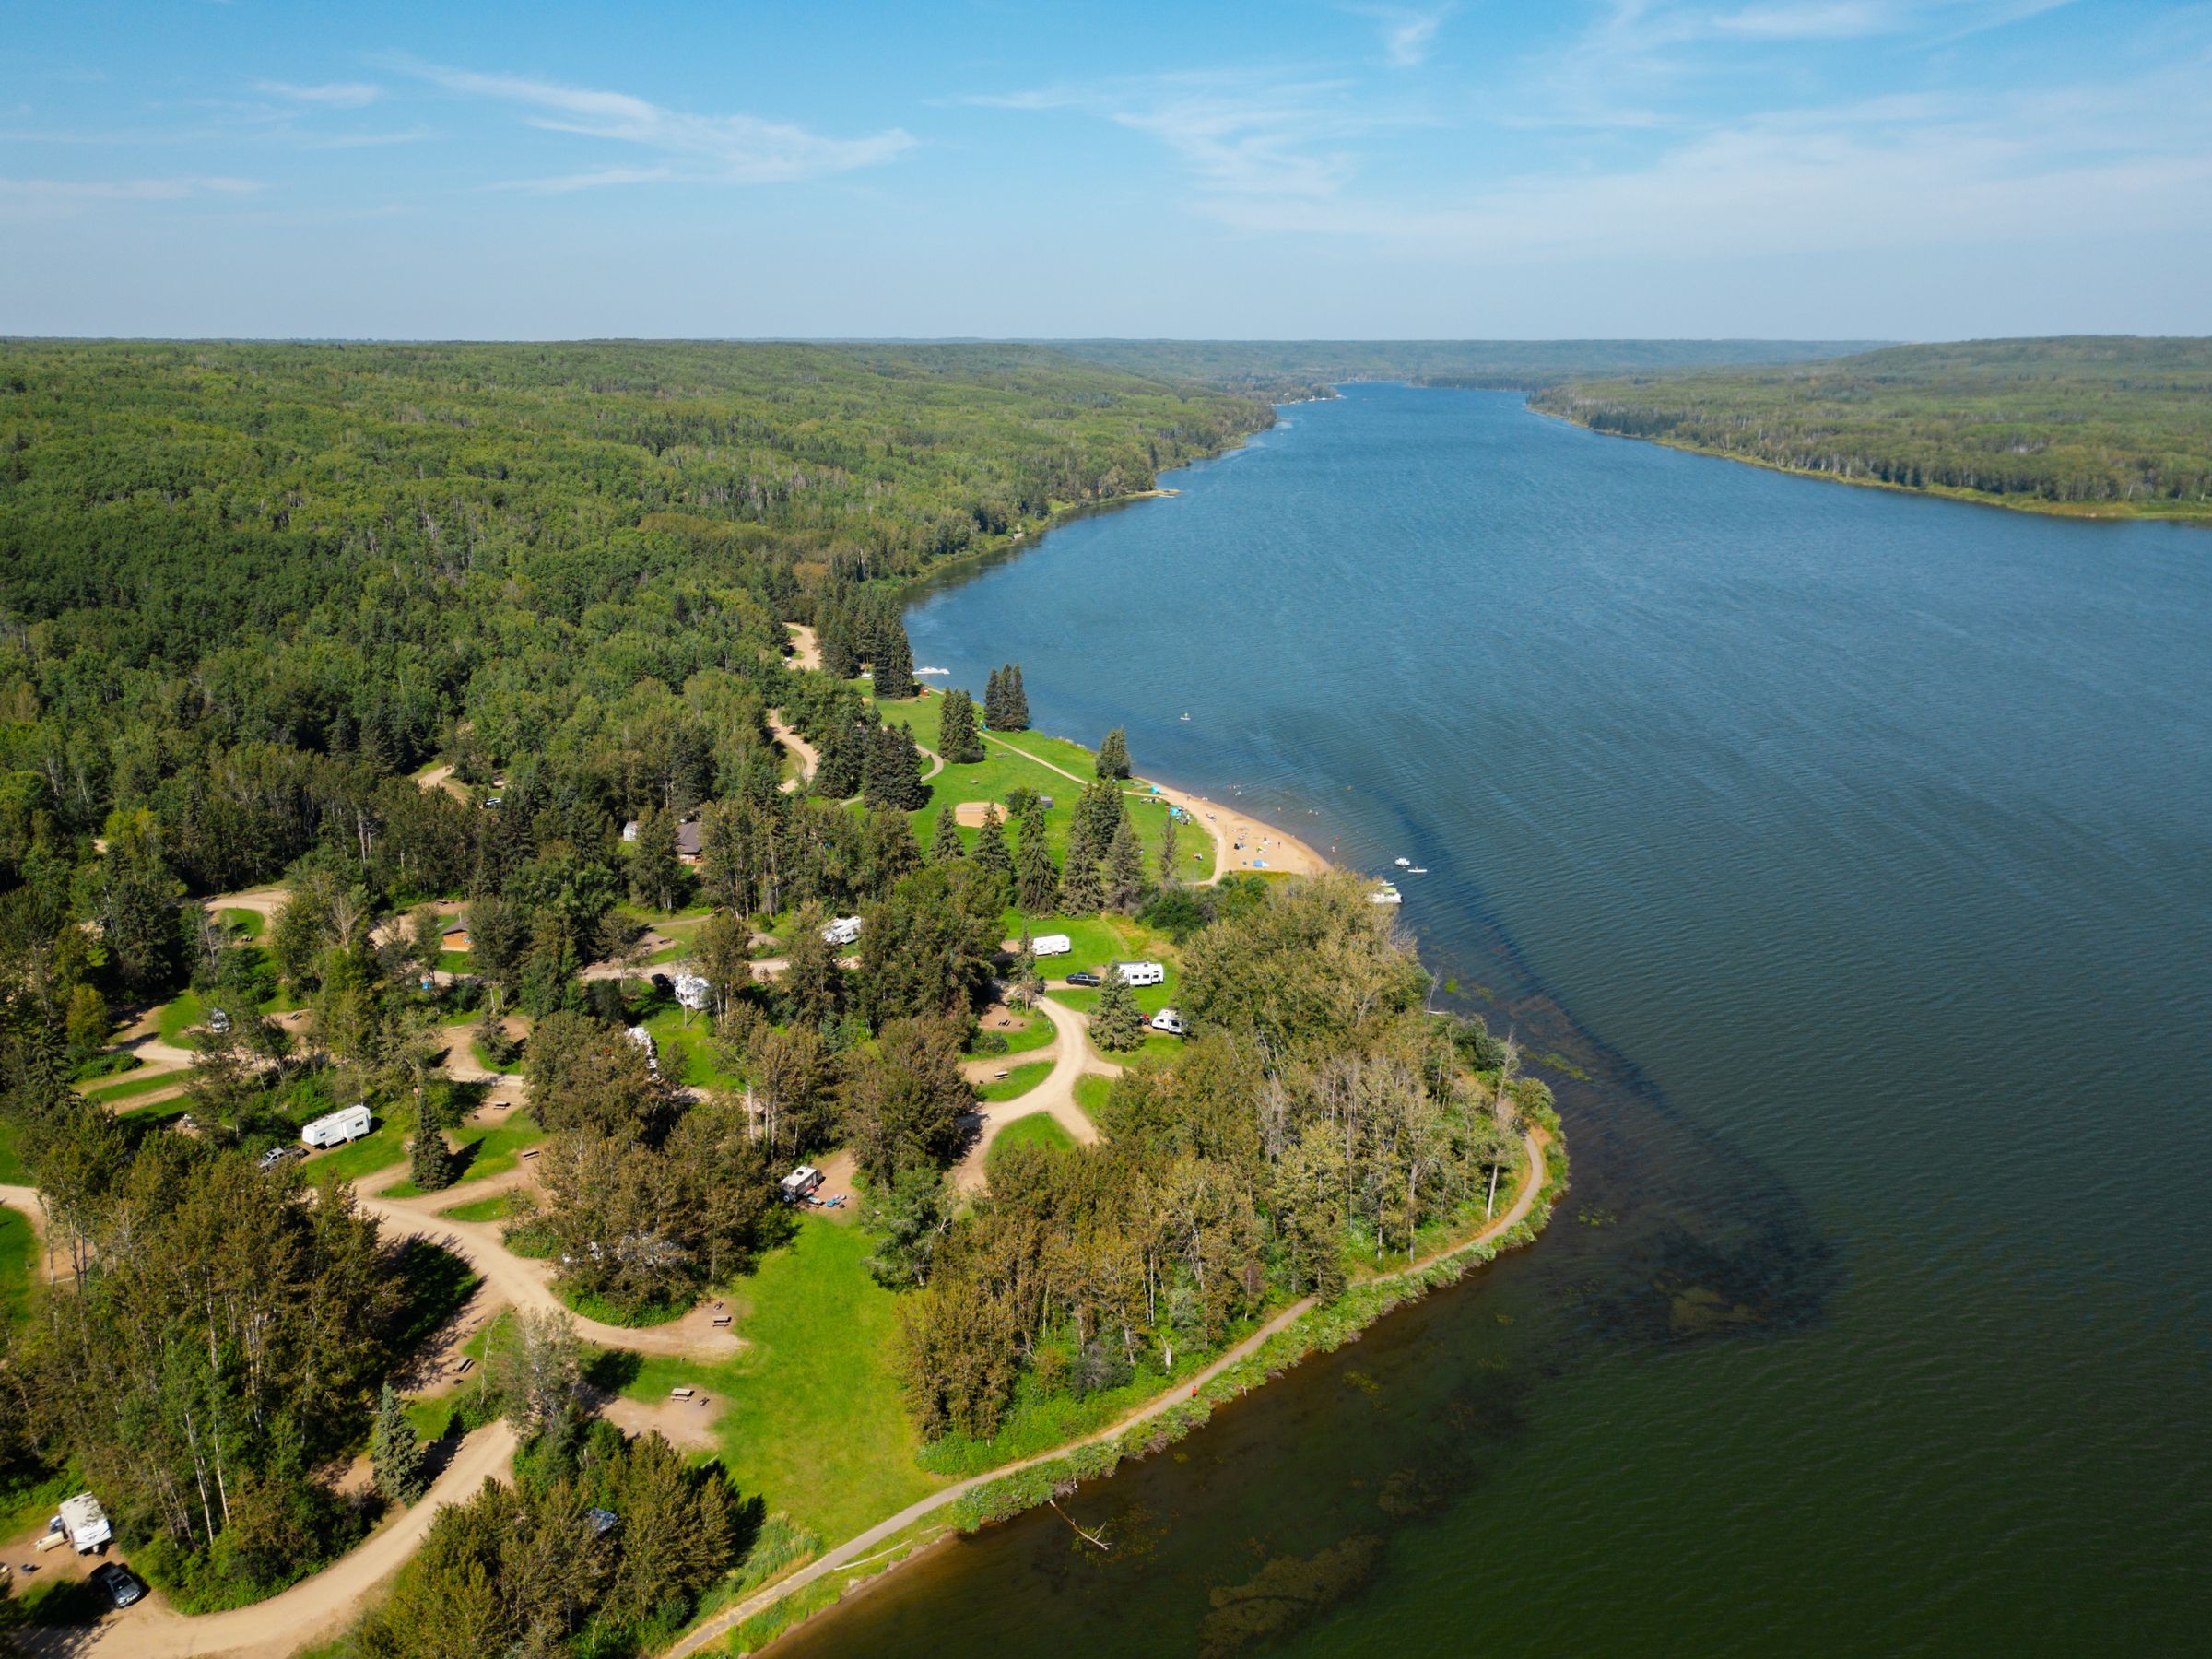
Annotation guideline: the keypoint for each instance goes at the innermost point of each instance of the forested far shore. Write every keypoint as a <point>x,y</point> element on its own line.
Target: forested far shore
<point>2083,424</point>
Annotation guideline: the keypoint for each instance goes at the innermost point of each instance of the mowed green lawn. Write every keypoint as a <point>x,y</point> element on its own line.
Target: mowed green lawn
<point>1018,1081</point>
<point>812,1422</point>
<point>1041,1129</point>
<point>19,1265</point>
<point>490,1148</point>
<point>1011,763</point>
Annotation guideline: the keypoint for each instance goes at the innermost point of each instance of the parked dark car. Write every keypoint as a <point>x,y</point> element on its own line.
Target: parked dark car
<point>661,983</point>
<point>1091,980</point>
<point>122,1586</point>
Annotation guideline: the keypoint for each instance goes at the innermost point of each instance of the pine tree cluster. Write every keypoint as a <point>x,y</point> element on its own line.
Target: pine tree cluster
<point>958,739</point>
<point>1005,704</point>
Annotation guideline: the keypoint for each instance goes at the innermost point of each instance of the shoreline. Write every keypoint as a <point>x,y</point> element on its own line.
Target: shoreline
<point>2113,512</point>
<point>1289,1336</point>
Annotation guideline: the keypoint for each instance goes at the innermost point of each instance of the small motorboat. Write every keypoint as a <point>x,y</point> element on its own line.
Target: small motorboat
<point>1417,869</point>
<point>1186,716</point>
<point>933,671</point>
<point>1403,864</point>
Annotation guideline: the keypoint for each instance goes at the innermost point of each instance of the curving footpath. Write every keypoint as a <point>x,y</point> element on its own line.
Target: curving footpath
<point>313,1609</point>
<point>845,1554</point>
<point>1056,1094</point>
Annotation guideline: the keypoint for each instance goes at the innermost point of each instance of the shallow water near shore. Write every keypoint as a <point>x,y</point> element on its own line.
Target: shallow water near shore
<point>1856,852</point>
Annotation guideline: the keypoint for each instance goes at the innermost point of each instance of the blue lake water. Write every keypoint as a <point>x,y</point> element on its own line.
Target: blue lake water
<point>1858,850</point>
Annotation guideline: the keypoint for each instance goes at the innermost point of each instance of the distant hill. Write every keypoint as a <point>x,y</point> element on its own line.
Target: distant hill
<point>2081,424</point>
<point>1283,369</point>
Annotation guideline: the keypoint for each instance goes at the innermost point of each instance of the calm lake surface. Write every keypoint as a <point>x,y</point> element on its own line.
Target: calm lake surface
<point>1858,849</point>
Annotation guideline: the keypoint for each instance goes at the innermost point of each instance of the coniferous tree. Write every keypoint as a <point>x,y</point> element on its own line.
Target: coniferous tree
<point>992,853</point>
<point>1081,891</point>
<point>1125,869</point>
<point>958,739</point>
<point>841,764</point>
<point>430,1161</point>
<point>945,842</point>
<point>1097,811</point>
<point>1017,701</point>
<point>1113,755</point>
<point>892,776</point>
<point>1169,875</point>
<point>1117,1025</point>
<point>994,700</point>
<point>894,662</point>
<point>841,651</point>
<point>657,876</point>
<point>395,1450</point>
<point>1037,881</point>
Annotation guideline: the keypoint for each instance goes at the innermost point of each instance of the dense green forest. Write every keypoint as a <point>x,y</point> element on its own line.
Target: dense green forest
<point>1289,369</point>
<point>2091,423</point>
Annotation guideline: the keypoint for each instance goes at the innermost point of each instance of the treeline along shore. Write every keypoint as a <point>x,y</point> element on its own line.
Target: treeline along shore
<point>504,968</point>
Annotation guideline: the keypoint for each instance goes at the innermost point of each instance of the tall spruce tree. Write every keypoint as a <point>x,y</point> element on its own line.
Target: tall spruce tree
<point>1081,891</point>
<point>395,1457</point>
<point>894,662</point>
<point>994,700</point>
<point>992,853</point>
<point>1113,755</point>
<point>1125,869</point>
<point>1017,701</point>
<point>958,740</point>
<point>1117,1024</point>
<point>841,760</point>
<point>430,1161</point>
<point>1169,875</point>
<point>945,843</point>
<point>1037,881</point>
<point>834,637</point>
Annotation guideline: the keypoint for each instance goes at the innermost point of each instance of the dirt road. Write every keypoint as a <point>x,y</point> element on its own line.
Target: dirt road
<point>1071,1058</point>
<point>313,1610</point>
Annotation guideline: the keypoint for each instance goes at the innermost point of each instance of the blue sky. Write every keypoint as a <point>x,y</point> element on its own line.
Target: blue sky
<point>1906,169</point>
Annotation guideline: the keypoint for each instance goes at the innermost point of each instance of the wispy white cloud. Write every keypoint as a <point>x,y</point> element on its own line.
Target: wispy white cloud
<point>25,198</point>
<point>1236,134</point>
<point>1408,33</point>
<point>731,149</point>
<point>331,95</point>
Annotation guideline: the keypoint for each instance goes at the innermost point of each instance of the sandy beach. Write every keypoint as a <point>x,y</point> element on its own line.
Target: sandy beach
<point>1244,841</point>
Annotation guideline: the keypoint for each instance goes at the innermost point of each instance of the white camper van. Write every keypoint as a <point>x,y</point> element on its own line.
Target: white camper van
<point>1046,944</point>
<point>1140,974</point>
<point>336,1128</point>
<point>1168,1020</point>
<point>843,931</point>
<point>692,991</point>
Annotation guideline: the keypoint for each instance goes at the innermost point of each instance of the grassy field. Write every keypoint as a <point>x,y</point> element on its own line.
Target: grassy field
<point>175,1019</point>
<point>1040,1130</point>
<point>1091,1089</point>
<point>681,1037</point>
<point>498,1208</point>
<point>243,924</point>
<point>486,1148</point>
<point>1036,1032</point>
<point>112,1092</point>
<point>1018,1082</point>
<point>1011,763</point>
<point>814,1423</point>
<point>19,1265</point>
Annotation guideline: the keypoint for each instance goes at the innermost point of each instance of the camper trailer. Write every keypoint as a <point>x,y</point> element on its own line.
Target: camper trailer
<point>799,1185</point>
<point>83,1522</point>
<point>843,931</point>
<point>1140,974</point>
<point>1168,1020</point>
<point>692,991</point>
<point>643,1039</point>
<point>1046,944</point>
<point>336,1128</point>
